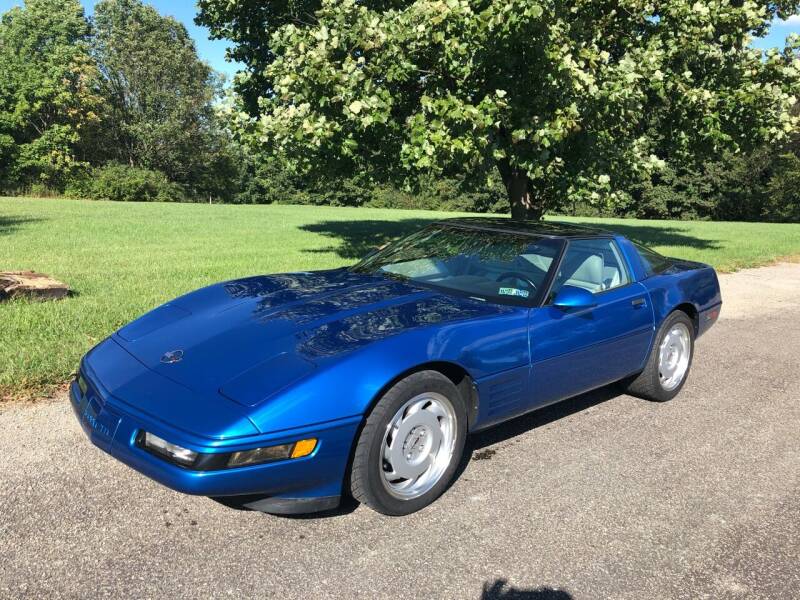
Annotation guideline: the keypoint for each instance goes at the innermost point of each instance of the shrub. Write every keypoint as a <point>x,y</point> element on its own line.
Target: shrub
<point>782,193</point>
<point>41,190</point>
<point>264,182</point>
<point>125,183</point>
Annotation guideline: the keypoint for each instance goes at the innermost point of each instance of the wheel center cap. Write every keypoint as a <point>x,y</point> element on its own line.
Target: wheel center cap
<point>673,355</point>
<point>414,446</point>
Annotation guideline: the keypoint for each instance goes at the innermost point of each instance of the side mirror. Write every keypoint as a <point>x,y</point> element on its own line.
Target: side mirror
<point>574,297</point>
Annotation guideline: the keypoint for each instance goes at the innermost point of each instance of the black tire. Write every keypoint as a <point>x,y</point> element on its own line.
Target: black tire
<point>647,384</point>
<point>366,478</point>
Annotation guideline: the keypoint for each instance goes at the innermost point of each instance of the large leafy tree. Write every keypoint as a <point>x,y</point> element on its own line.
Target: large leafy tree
<point>567,101</point>
<point>249,24</point>
<point>159,92</point>
<point>48,98</point>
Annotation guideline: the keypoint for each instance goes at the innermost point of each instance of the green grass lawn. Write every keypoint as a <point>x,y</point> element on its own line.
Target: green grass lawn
<point>124,259</point>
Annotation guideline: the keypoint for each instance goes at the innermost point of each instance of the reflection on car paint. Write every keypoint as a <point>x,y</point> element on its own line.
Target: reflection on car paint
<point>360,329</point>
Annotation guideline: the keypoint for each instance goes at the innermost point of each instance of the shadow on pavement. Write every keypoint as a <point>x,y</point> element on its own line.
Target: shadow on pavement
<point>538,418</point>
<point>347,506</point>
<point>500,590</point>
<point>479,444</point>
<point>478,447</point>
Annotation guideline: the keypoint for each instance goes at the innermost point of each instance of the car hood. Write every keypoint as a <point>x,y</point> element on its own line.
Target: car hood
<point>250,338</point>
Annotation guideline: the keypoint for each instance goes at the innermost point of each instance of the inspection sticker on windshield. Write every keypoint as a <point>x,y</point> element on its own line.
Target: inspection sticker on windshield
<point>514,292</point>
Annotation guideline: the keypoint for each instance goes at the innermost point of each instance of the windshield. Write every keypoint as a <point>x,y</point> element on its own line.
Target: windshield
<point>488,265</point>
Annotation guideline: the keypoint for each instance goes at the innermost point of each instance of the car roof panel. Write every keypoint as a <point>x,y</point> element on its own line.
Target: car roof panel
<point>555,229</point>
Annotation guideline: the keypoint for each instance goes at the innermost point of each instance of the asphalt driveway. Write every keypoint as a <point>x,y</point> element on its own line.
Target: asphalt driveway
<point>603,496</point>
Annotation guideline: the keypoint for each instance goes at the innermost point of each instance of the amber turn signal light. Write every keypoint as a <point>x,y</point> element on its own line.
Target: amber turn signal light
<point>303,448</point>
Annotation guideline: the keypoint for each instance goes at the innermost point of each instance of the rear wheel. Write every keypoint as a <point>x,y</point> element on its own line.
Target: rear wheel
<point>410,446</point>
<point>668,364</point>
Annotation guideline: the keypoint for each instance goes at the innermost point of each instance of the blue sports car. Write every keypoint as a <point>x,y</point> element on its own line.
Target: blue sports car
<point>290,391</point>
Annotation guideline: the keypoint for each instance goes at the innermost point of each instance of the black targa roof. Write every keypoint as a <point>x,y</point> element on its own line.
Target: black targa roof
<point>542,228</point>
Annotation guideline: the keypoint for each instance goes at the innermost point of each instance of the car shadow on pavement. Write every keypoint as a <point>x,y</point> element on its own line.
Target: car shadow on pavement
<point>537,418</point>
<point>346,506</point>
<point>500,590</point>
<point>478,447</point>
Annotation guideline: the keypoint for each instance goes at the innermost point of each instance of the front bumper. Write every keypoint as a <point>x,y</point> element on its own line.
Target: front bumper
<point>304,484</point>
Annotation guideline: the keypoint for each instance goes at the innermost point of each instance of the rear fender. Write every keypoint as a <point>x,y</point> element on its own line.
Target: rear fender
<point>687,283</point>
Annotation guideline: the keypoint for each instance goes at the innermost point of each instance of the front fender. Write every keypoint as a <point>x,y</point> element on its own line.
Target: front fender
<point>346,383</point>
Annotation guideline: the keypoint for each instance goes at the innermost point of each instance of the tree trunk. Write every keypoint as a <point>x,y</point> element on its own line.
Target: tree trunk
<point>31,285</point>
<point>524,204</point>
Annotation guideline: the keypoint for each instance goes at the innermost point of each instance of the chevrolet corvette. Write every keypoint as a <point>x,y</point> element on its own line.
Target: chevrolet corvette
<point>290,391</point>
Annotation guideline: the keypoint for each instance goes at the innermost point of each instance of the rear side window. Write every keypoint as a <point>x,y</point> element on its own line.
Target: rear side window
<point>652,262</point>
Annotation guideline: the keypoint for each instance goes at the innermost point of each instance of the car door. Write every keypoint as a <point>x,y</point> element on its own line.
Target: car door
<point>574,350</point>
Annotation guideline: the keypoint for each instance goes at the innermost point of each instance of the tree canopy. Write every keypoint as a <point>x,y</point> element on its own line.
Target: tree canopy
<point>567,100</point>
<point>248,24</point>
<point>48,96</point>
<point>158,91</point>
<point>123,87</point>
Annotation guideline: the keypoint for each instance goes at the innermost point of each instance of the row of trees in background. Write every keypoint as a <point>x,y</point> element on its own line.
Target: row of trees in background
<point>97,107</point>
<point>607,108</point>
<point>119,106</point>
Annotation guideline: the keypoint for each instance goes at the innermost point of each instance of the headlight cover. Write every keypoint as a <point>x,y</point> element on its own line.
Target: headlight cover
<point>224,460</point>
<point>255,456</point>
<point>259,455</point>
<point>168,450</point>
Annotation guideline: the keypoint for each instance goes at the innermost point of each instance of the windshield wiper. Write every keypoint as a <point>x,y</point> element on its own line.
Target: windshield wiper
<point>392,275</point>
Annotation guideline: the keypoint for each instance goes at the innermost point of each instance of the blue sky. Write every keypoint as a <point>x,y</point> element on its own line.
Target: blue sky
<point>778,32</point>
<point>213,51</point>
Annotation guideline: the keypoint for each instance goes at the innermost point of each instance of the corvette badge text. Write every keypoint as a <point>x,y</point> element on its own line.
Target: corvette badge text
<point>94,423</point>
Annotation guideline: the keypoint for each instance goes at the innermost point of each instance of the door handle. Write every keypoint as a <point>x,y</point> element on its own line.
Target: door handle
<point>638,303</point>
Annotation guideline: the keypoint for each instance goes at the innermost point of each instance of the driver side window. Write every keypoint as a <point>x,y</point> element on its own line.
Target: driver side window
<point>594,265</point>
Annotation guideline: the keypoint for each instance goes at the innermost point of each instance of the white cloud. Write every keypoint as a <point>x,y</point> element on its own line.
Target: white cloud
<point>792,21</point>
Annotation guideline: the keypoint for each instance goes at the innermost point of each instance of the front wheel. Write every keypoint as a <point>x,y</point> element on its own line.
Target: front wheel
<point>410,446</point>
<point>668,364</point>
